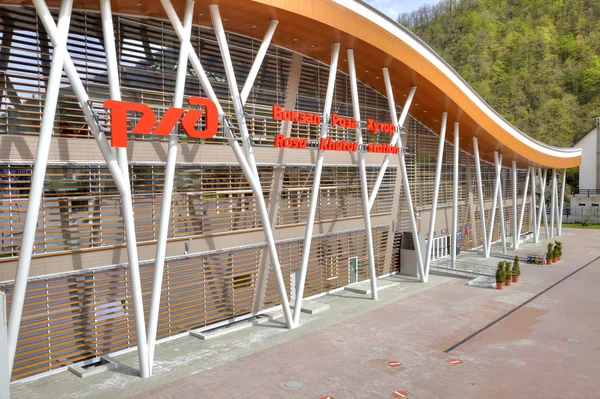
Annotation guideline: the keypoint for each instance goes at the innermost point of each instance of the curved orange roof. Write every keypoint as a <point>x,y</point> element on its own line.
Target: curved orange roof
<point>311,26</point>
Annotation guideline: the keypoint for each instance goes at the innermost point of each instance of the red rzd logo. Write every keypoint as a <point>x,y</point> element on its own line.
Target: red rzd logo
<point>118,120</point>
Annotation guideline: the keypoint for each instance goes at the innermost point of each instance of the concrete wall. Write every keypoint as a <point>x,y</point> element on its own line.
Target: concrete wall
<point>582,208</point>
<point>588,169</point>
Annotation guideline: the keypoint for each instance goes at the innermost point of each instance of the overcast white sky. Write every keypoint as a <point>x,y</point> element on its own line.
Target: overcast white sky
<point>394,7</point>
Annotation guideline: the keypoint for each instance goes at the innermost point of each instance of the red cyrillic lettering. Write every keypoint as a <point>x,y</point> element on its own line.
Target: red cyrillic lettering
<point>118,120</point>
<point>168,121</point>
<point>191,118</point>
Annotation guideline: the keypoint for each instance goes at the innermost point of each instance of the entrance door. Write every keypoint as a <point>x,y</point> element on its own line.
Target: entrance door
<point>353,263</point>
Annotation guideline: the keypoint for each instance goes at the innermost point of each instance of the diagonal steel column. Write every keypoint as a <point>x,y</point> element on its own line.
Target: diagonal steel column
<point>436,191</point>
<point>114,85</point>
<point>553,203</point>
<point>116,174</point>
<point>4,370</point>
<point>534,206</point>
<point>471,202</point>
<point>239,154</point>
<point>556,203</point>
<point>37,179</point>
<point>542,211</point>
<point>455,172</point>
<point>363,174</point>
<point>405,181</point>
<point>523,204</point>
<point>258,60</point>
<point>253,178</point>
<point>562,201</point>
<point>237,101</point>
<point>480,195</point>
<point>501,202</point>
<point>399,124</point>
<point>115,94</point>
<point>291,96</point>
<point>165,211</point>
<point>515,216</point>
<point>498,167</point>
<point>314,194</point>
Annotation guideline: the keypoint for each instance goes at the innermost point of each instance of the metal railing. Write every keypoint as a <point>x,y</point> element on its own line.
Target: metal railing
<point>469,270</point>
<point>586,192</point>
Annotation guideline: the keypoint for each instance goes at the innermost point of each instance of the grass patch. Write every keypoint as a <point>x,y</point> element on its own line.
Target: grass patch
<point>579,225</point>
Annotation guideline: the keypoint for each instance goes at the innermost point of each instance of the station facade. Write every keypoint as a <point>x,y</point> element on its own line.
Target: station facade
<point>168,167</point>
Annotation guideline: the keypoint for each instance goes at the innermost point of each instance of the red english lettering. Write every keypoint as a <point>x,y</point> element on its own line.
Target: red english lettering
<point>277,112</point>
<point>278,140</point>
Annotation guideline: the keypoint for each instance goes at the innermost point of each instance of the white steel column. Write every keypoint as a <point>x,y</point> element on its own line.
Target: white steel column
<point>248,164</point>
<point>239,154</point>
<point>501,202</point>
<point>497,184</point>
<point>114,84</point>
<point>436,190</point>
<point>131,240</point>
<point>455,195</point>
<point>4,370</point>
<point>405,181</point>
<point>515,216</point>
<point>523,204</point>
<point>37,179</point>
<point>553,203</point>
<point>238,105</point>
<point>542,211</point>
<point>258,60</point>
<point>562,201</point>
<point>556,207</point>
<point>534,206</point>
<point>116,174</point>
<point>314,194</point>
<point>480,194</point>
<point>363,174</point>
<point>165,211</point>
<point>396,135</point>
<point>193,57</point>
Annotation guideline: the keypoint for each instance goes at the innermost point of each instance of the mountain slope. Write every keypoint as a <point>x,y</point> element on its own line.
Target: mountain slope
<point>537,62</point>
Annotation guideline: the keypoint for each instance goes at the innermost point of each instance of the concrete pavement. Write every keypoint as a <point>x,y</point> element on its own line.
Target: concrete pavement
<point>549,347</point>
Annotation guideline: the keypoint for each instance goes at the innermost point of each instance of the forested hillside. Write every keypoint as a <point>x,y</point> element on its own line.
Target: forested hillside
<point>537,62</point>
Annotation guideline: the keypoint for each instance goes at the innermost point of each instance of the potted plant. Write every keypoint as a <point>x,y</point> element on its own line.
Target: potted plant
<point>516,271</point>
<point>550,254</point>
<point>500,276</point>
<point>507,273</point>
<point>559,246</point>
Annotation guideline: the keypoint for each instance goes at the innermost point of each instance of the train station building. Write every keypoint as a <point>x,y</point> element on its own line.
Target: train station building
<point>169,166</point>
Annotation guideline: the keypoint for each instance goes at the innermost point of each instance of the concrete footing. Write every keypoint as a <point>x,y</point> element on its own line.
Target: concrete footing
<point>312,307</point>
<point>231,328</point>
<point>364,287</point>
<point>93,366</point>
